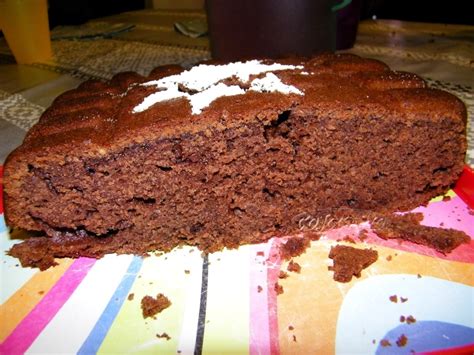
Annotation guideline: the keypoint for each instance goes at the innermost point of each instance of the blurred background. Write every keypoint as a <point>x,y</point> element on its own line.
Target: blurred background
<point>74,12</point>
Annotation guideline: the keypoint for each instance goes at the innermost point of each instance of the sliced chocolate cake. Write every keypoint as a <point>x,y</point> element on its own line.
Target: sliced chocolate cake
<point>227,154</point>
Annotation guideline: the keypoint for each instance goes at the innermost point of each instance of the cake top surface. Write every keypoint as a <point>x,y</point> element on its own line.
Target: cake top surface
<point>100,116</point>
<point>203,83</point>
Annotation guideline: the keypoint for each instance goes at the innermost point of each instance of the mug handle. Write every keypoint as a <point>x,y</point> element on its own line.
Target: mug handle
<point>341,5</point>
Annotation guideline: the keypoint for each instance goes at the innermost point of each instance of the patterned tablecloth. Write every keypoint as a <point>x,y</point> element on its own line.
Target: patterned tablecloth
<point>227,302</point>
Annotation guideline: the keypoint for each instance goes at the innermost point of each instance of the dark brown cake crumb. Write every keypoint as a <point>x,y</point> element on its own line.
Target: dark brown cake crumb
<point>294,338</point>
<point>407,227</point>
<point>294,247</point>
<point>290,327</point>
<point>402,319</point>
<point>410,319</point>
<point>163,336</point>
<point>349,261</point>
<point>446,198</point>
<point>418,276</point>
<point>348,239</point>
<point>294,267</point>
<point>259,288</point>
<point>363,235</point>
<point>187,272</point>
<point>282,274</point>
<point>131,296</point>
<point>312,235</point>
<point>260,253</point>
<point>393,298</point>
<point>152,306</point>
<point>402,340</point>
<point>385,343</point>
<point>278,288</point>
<point>403,299</point>
<point>389,258</point>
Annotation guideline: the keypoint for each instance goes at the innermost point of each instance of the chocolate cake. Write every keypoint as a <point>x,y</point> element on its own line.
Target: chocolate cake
<point>227,154</point>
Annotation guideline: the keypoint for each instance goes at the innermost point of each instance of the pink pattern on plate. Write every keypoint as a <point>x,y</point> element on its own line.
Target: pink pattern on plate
<point>264,272</point>
<point>259,311</point>
<point>33,324</point>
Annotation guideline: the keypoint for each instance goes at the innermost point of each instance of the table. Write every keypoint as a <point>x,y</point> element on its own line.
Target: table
<point>227,301</point>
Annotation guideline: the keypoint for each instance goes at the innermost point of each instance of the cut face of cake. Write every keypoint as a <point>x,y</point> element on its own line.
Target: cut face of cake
<point>222,155</point>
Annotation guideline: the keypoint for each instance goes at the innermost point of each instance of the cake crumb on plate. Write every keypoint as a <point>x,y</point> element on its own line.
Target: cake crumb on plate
<point>349,261</point>
<point>152,306</point>
<point>294,267</point>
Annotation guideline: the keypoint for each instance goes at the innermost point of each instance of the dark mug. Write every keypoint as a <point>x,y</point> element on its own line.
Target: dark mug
<point>272,29</point>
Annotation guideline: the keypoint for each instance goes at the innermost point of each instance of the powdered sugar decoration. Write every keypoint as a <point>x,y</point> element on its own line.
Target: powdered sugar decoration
<point>272,83</point>
<point>203,84</point>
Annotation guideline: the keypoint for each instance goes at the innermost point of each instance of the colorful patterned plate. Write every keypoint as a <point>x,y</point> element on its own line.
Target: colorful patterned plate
<point>227,303</point>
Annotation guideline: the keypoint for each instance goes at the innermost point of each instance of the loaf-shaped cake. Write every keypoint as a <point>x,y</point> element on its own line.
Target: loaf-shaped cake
<point>222,155</point>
